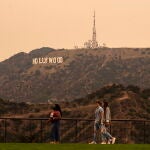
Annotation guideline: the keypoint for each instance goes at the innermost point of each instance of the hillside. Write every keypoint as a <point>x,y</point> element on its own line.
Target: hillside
<point>125,103</point>
<point>82,72</point>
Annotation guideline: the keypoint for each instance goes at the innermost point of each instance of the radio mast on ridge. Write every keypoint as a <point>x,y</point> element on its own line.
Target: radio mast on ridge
<point>94,42</point>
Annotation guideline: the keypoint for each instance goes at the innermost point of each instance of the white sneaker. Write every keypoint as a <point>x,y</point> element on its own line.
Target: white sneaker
<point>113,140</point>
<point>93,142</point>
<point>103,142</point>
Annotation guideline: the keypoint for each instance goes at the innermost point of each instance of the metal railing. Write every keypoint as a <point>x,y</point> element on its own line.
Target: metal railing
<point>71,130</point>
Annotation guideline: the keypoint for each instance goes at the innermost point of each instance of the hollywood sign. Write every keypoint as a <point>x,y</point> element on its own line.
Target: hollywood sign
<point>47,60</point>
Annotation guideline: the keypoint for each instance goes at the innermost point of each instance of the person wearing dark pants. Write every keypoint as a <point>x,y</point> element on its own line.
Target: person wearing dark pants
<point>55,137</point>
<point>55,117</point>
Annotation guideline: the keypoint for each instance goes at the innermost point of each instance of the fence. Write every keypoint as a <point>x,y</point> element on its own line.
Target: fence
<point>71,130</point>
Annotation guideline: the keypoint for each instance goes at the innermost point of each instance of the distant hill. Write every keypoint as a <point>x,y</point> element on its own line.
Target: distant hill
<point>129,102</point>
<point>82,72</point>
<point>125,102</point>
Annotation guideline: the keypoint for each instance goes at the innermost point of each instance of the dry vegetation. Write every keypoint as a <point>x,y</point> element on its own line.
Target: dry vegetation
<point>82,72</point>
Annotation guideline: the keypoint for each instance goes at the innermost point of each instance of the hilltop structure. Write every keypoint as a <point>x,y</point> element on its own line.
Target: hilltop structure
<point>92,43</point>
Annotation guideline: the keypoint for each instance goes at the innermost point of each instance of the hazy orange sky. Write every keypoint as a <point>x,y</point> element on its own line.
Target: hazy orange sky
<point>29,24</point>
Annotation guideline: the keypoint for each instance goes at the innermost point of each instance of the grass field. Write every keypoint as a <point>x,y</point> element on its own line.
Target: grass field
<point>18,146</point>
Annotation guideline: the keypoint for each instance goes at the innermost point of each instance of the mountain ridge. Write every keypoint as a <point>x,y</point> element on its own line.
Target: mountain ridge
<point>83,71</point>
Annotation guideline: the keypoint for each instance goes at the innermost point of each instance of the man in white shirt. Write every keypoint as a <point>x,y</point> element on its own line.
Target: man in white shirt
<point>98,123</point>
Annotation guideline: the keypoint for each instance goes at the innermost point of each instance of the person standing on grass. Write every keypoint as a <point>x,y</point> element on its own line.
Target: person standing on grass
<point>98,123</point>
<point>55,117</point>
<point>108,139</point>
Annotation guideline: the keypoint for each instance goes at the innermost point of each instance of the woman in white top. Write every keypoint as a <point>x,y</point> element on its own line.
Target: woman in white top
<point>107,121</point>
<point>107,115</point>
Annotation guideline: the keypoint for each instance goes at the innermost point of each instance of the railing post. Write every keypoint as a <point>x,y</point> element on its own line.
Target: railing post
<point>130,130</point>
<point>41,129</point>
<point>30,131</point>
<point>110,129</point>
<point>76,131</point>
<point>5,130</point>
<point>144,132</point>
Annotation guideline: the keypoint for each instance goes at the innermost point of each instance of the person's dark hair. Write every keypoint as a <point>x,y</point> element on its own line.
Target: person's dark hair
<point>57,107</point>
<point>105,106</point>
<point>99,102</point>
<point>54,108</point>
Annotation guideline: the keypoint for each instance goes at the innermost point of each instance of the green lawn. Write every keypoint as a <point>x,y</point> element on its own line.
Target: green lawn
<point>18,146</point>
